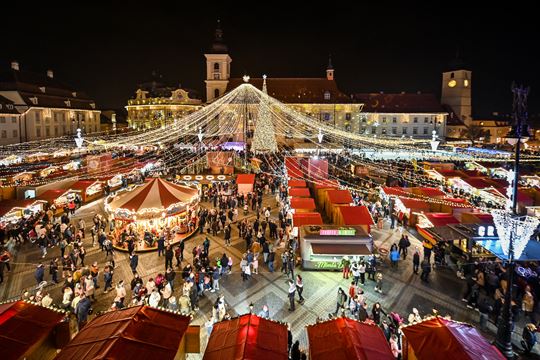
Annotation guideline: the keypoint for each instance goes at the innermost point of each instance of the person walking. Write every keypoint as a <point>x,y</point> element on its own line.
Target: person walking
<point>426,269</point>
<point>300,288</point>
<point>416,261</point>
<point>346,264</point>
<point>341,301</point>
<point>378,280</point>
<point>39,273</point>
<point>169,254</point>
<point>362,271</point>
<point>133,262</point>
<point>394,256</point>
<point>53,270</point>
<point>292,291</point>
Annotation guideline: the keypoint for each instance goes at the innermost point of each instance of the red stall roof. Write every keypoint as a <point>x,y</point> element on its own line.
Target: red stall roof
<point>312,218</point>
<point>7,205</point>
<point>24,325</point>
<point>478,183</point>
<point>303,203</point>
<point>300,192</point>
<point>139,332</point>
<point>247,337</point>
<point>395,191</point>
<point>414,203</point>
<point>458,202</point>
<point>296,183</point>
<point>292,165</point>
<point>245,179</point>
<point>51,195</point>
<point>339,196</point>
<point>326,184</point>
<point>441,339</point>
<point>83,185</point>
<point>356,215</point>
<point>345,339</point>
<point>441,219</point>
<point>432,192</point>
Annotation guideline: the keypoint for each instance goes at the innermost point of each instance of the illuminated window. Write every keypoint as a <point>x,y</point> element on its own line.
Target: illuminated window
<point>347,116</point>
<point>327,95</point>
<point>415,131</point>
<point>452,83</point>
<point>466,83</point>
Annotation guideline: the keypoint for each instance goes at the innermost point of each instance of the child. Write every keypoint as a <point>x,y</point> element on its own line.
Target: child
<point>378,279</point>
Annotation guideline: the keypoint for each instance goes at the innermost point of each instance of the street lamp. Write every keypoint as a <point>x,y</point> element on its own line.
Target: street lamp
<point>514,231</point>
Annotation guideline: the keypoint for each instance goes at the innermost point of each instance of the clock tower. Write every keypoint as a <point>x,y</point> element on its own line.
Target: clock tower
<point>456,93</point>
<point>218,67</point>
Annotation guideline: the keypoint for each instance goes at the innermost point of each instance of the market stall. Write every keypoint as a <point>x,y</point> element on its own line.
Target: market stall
<point>13,210</point>
<point>447,340</point>
<point>334,199</point>
<point>89,190</point>
<point>320,189</point>
<point>302,204</point>
<point>152,207</point>
<point>137,332</point>
<point>307,218</point>
<point>23,177</point>
<point>113,182</point>
<point>354,216</point>
<point>296,183</point>
<point>56,197</point>
<point>407,209</point>
<point>345,339</point>
<point>299,192</point>
<point>293,168</point>
<point>247,337</point>
<point>323,247</point>
<point>245,183</point>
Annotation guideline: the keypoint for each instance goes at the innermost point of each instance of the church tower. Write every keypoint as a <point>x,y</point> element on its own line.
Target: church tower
<point>218,67</point>
<point>456,92</point>
<point>330,69</point>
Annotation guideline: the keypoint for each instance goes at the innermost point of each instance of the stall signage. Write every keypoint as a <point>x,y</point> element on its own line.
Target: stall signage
<point>328,265</point>
<point>337,232</point>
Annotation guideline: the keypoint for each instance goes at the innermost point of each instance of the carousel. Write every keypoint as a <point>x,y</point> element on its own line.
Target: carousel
<point>149,211</point>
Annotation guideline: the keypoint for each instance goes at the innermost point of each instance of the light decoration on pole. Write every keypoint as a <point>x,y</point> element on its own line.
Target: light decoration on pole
<point>514,230</point>
<point>320,136</point>
<point>264,137</point>
<point>200,134</point>
<point>79,139</point>
<point>434,142</point>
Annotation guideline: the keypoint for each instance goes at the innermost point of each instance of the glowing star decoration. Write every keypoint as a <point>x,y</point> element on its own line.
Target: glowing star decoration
<point>79,139</point>
<point>516,230</point>
<point>434,142</point>
<point>320,136</point>
<point>510,189</point>
<point>245,78</point>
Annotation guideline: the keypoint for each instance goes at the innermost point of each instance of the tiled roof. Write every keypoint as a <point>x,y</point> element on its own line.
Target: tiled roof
<point>49,91</point>
<point>6,106</point>
<point>399,103</point>
<point>298,90</point>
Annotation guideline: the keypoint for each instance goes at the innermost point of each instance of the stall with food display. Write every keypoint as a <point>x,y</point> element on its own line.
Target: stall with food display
<point>323,247</point>
<point>56,198</point>
<point>12,211</point>
<point>147,210</point>
<point>23,177</point>
<point>89,190</point>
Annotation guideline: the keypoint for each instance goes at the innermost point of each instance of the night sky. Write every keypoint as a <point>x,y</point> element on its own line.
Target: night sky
<point>105,50</point>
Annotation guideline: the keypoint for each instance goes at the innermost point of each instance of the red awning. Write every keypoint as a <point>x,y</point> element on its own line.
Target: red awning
<point>82,185</point>
<point>303,203</point>
<point>247,337</point>
<point>326,184</point>
<point>345,339</point>
<point>478,183</point>
<point>24,325</point>
<point>299,192</point>
<point>296,183</point>
<point>51,195</point>
<point>245,179</point>
<point>441,339</point>
<point>431,192</point>
<point>301,219</point>
<point>414,204</point>
<point>339,196</point>
<point>139,332</point>
<point>356,215</point>
<point>441,219</point>
<point>395,191</point>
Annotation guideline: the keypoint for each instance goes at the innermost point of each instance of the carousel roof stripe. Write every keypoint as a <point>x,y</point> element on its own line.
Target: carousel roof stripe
<point>156,194</point>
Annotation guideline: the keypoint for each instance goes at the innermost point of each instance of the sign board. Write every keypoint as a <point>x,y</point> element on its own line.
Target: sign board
<point>337,232</point>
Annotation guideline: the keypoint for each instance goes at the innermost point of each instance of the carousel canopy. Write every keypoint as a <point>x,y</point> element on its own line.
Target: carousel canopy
<point>155,194</point>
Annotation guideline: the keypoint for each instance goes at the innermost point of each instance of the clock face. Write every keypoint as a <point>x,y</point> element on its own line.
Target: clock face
<point>466,83</point>
<point>452,83</point>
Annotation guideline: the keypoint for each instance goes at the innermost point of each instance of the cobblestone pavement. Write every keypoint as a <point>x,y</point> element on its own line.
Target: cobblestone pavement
<point>402,289</point>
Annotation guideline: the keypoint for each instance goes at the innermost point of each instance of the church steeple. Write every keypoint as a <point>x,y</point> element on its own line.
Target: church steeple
<point>330,69</point>
<point>219,46</point>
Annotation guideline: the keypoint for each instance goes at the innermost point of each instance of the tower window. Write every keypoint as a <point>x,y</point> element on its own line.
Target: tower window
<point>216,68</point>
<point>327,95</point>
<point>216,93</point>
<point>451,75</point>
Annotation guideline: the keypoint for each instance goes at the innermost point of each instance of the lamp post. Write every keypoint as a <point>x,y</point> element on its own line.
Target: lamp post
<point>510,227</point>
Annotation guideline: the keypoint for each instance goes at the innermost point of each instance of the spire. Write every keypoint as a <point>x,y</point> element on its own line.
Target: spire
<point>264,85</point>
<point>330,67</point>
<point>219,46</point>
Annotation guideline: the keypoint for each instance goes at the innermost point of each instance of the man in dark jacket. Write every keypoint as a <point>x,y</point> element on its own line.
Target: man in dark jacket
<point>82,310</point>
<point>169,254</point>
<point>416,261</point>
<point>426,269</point>
<point>133,262</point>
<point>39,273</point>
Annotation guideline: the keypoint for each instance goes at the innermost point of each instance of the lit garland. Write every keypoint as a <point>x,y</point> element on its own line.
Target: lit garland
<point>517,230</point>
<point>264,138</point>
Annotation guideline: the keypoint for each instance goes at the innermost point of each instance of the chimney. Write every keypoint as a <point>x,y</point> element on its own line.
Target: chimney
<point>15,65</point>
<point>50,74</point>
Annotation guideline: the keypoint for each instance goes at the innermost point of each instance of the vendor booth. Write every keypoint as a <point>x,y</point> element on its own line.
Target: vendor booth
<point>321,188</point>
<point>30,331</point>
<point>89,190</point>
<point>299,192</point>
<point>437,338</point>
<point>12,211</point>
<point>294,168</point>
<point>113,182</point>
<point>138,332</point>
<point>245,183</point>
<point>248,337</point>
<point>334,199</point>
<point>57,197</point>
<point>323,247</point>
<point>23,177</point>
<point>354,216</point>
<point>296,183</point>
<point>302,204</point>
<point>407,209</point>
<point>151,208</point>
<point>346,339</point>
<point>307,218</point>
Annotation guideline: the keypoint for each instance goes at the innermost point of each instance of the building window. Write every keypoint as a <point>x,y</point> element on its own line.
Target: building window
<point>425,131</point>
<point>364,119</point>
<point>394,131</point>
<point>216,93</point>
<point>13,120</point>
<point>348,116</point>
<point>394,120</point>
<point>363,130</point>
<point>415,131</point>
<point>47,132</point>
<point>384,119</point>
<point>4,134</point>
<point>404,131</point>
<point>38,132</point>
<point>37,117</point>
<point>415,119</point>
<point>348,127</point>
<point>56,131</point>
<point>327,95</point>
<point>2,120</point>
<point>326,116</point>
<point>383,131</point>
<point>373,129</point>
<point>426,120</point>
<point>15,133</point>
<point>216,66</point>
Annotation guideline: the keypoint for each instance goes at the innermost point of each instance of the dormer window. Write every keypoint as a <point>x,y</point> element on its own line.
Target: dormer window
<point>68,103</point>
<point>327,95</point>
<point>93,105</point>
<point>42,89</point>
<point>10,106</point>
<point>74,94</point>
<point>34,100</point>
